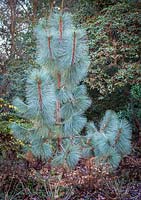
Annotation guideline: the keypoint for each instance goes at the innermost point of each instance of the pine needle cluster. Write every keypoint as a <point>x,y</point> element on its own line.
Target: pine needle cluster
<point>112,141</point>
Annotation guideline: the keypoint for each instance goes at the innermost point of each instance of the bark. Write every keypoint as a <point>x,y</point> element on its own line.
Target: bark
<point>12,5</point>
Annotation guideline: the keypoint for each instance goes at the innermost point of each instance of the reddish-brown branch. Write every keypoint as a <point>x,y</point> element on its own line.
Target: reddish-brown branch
<point>62,5</point>
<point>49,46</point>
<point>51,9</point>
<point>58,111</point>
<point>58,115</point>
<point>35,6</point>
<point>74,48</point>
<point>40,95</point>
<point>118,136</point>
<point>12,5</point>
<point>61,27</point>
<point>58,122</point>
<point>59,80</point>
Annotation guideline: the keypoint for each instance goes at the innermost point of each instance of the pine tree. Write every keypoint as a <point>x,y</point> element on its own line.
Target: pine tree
<point>55,99</point>
<point>112,141</point>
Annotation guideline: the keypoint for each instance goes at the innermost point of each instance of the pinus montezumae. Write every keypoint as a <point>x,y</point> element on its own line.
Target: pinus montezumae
<point>112,141</point>
<point>56,101</point>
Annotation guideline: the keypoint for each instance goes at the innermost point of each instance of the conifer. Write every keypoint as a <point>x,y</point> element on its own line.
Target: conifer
<point>55,99</point>
<point>112,141</point>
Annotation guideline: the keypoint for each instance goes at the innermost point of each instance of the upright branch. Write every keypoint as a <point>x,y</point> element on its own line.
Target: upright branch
<point>73,48</point>
<point>60,28</point>
<point>49,46</point>
<point>119,132</point>
<point>12,5</point>
<point>58,110</point>
<point>62,5</point>
<point>35,6</point>
<point>58,115</point>
<point>40,94</point>
<point>59,80</point>
<point>51,9</point>
<point>58,106</point>
<point>61,21</point>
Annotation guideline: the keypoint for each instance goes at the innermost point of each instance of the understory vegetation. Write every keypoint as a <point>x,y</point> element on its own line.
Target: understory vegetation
<point>70,105</point>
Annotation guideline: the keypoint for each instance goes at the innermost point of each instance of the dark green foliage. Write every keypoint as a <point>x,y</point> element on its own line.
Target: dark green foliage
<point>115,48</point>
<point>136,91</point>
<point>17,44</point>
<point>132,111</point>
<point>9,146</point>
<point>136,101</point>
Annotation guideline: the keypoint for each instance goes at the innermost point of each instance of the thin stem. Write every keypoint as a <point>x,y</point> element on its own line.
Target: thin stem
<point>71,137</point>
<point>62,5</point>
<point>61,21</point>
<point>58,112</point>
<point>49,46</point>
<point>59,80</point>
<point>61,27</point>
<point>58,121</point>
<point>51,9</point>
<point>73,49</point>
<point>119,132</point>
<point>12,5</point>
<point>58,117</point>
<point>40,94</point>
